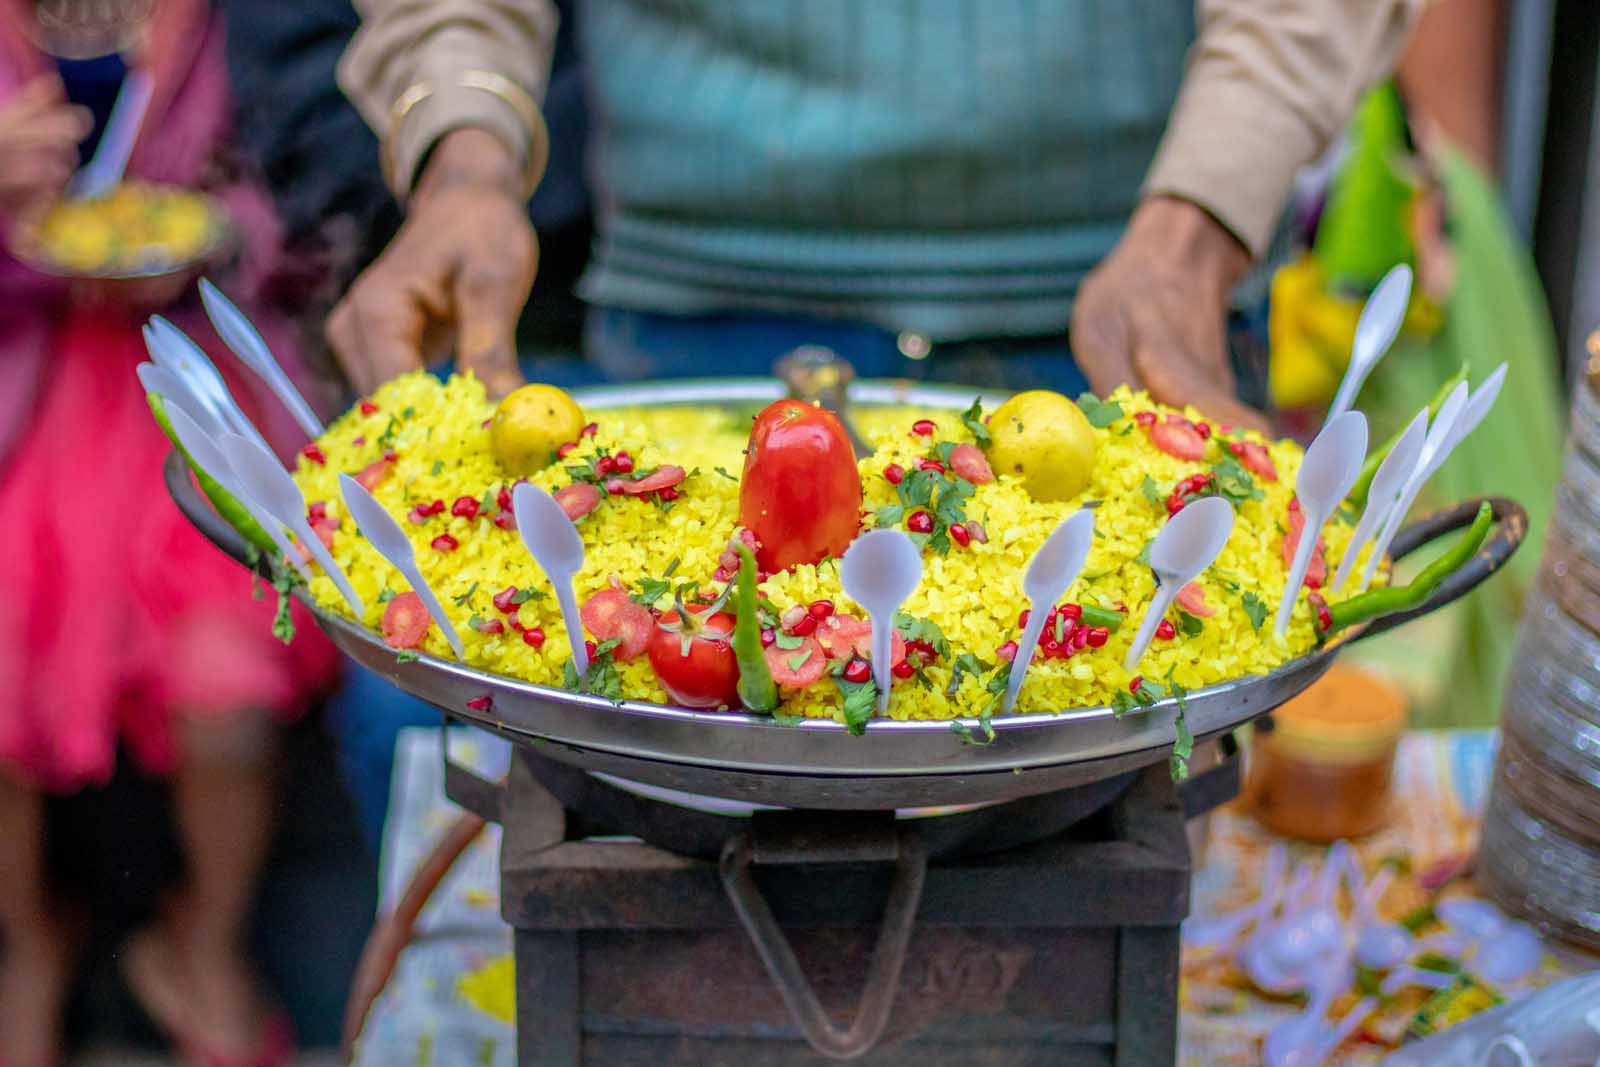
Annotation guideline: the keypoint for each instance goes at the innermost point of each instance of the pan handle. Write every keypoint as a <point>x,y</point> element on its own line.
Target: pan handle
<point>197,509</point>
<point>1509,530</point>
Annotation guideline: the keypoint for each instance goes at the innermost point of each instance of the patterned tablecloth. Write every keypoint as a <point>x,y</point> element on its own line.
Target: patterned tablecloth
<point>450,1000</point>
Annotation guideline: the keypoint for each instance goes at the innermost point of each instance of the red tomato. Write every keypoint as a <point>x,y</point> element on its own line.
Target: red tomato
<point>373,474</point>
<point>800,493</point>
<point>969,462</point>
<point>1317,571</point>
<point>838,633</point>
<point>1192,598</point>
<point>610,614</point>
<point>324,528</point>
<point>1178,437</point>
<point>405,621</point>
<point>1255,459</point>
<point>703,673</point>
<point>664,477</point>
<point>578,499</point>
<point>796,668</point>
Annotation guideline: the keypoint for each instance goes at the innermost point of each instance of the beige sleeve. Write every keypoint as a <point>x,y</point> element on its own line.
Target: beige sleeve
<point>405,45</point>
<point>1269,84</point>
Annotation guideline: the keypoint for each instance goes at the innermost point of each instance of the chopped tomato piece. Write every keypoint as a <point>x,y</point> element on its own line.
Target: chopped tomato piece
<point>578,499</point>
<point>1317,571</point>
<point>1192,598</point>
<point>405,621</point>
<point>609,614</point>
<point>968,461</point>
<point>838,633</point>
<point>661,478</point>
<point>1178,437</point>
<point>375,473</point>
<point>796,668</point>
<point>324,528</point>
<point>1254,458</point>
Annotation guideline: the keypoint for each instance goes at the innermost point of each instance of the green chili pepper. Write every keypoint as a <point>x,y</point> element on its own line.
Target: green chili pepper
<point>1378,602</point>
<point>756,689</point>
<point>1358,494</point>
<point>225,503</point>
<point>1103,617</point>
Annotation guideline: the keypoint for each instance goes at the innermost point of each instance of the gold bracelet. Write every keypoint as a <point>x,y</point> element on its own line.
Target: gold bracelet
<point>508,91</point>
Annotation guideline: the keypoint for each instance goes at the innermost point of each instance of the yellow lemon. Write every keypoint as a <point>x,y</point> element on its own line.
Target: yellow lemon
<point>530,424</point>
<point>1043,438</point>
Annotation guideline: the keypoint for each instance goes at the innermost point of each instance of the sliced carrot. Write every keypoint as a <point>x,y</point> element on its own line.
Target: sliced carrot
<point>405,621</point>
<point>796,668</point>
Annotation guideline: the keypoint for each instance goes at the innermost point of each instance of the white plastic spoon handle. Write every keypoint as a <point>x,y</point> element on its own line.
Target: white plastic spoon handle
<point>1376,329</point>
<point>1297,575</point>
<point>1387,482</point>
<point>110,162</point>
<point>308,537</point>
<point>239,334</point>
<point>420,586</point>
<point>1038,614</point>
<point>572,621</point>
<point>1165,593</point>
<point>882,652</point>
<point>1347,1026</point>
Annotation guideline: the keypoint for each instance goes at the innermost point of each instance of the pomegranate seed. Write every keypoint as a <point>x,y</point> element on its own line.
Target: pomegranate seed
<point>317,511</point>
<point>566,450</point>
<point>1203,429</point>
<point>669,493</point>
<point>484,425</point>
<point>924,427</point>
<point>417,515</point>
<point>1023,617</point>
<point>1006,652</point>
<point>591,648</point>
<point>1098,636</point>
<point>445,543</point>
<point>728,561</point>
<point>722,574</point>
<point>314,454</point>
<point>960,536</point>
<point>930,465</point>
<point>515,625</point>
<point>391,456</point>
<point>895,473</point>
<point>768,636</point>
<point>748,536</point>
<point>1145,418</point>
<point>502,499</point>
<point>820,609</point>
<point>589,430</point>
<point>1051,647</point>
<point>1165,630</point>
<point>606,465</point>
<point>490,626</point>
<point>923,649</point>
<point>805,627</point>
<point>1071,612</point>
<point>615,485</point>
<point>792,615</point>
<point>368,408</point>
<point>1122,606</point>
<point>436,508</point>
<point>1294,503</point>
<point>1225,427</point>
<point>1313,582</point>
<point>903,669</point>
<point>465,507</point>
<point>920,522</point>
<point>857,670</point>
<point>505,520</point>
<point>1080,637</point>
<point>624,463</point>
<point>359,441</point>
<point>503,602</point>
<point>483,703</point>
<point>1136,684</point>
<point>534,636</point>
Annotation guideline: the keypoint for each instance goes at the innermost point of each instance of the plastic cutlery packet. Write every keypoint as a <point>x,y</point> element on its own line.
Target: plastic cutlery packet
<point>1556,1027</point>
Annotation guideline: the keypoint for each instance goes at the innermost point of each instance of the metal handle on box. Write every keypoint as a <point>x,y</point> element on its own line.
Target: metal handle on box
<point>464,786</point>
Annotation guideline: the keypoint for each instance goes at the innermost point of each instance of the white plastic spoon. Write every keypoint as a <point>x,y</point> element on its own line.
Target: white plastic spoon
<point>102,173</point>
<point>1439,431</point>
<point>239,334</point>
<point>1217,931</point>
<point>1053,568</point>
<point>1185,546</point>
<point>391,542</point>
<point>1376,330</point>
<point>1306,1040</point>
<point>174,350</point>
<point>163,379</point>
<point>555,544</point>
<point>1380,944</point>
<point>879,570</point>
<point>1331,465</point>
<point>264,478</point>
<point>202,448</point>
<point>1387,482</point>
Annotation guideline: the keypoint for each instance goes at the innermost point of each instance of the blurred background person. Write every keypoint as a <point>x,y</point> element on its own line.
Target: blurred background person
<point>121,625</point>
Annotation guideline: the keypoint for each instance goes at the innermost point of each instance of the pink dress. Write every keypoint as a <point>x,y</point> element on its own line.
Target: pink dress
<point>116,616</point>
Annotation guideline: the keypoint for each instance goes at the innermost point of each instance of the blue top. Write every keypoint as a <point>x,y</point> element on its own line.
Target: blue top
<point>93,84</point>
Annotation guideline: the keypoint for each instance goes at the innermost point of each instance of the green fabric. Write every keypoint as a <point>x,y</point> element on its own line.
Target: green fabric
<point>1457,660</point>
<point>1363,232</point>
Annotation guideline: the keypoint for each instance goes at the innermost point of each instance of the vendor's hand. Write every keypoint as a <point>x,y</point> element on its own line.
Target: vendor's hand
<point>1153,314</point>
<point>39,135</point>
<point>458,271</point>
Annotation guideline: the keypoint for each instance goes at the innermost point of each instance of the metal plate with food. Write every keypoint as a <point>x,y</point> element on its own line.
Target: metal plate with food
<point>675,498</point>
<point>135,231</point>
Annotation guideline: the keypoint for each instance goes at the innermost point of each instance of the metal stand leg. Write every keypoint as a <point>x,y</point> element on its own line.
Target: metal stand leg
<point>549,1030</point>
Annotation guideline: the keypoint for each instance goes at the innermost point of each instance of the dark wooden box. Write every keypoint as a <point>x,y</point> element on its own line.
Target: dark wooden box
<point>1060,953</point>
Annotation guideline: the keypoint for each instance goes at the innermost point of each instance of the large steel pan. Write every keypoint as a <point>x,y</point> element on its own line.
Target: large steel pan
<point>819,764</point>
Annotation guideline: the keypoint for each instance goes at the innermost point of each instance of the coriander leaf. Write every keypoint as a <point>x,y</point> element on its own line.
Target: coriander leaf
<point>787,720</point>
<point>671,566</point>
<point>1152,493</point>
<point>1235,483</point>
<point>796,662</point>
<point>408,412</point>
<point>1189,625</point>
<point>650,590</point>
<point>939,540</point>
<point>1144,553</point>
<point>943,450</point>
<point>522,596</point>
<point>972,419</point>
<point>438,465</point>
<point>1122,703</point>
<point>1183,744</point>
<point>788,642</point>
<point>913,628</point>
<point>465,598</point>
<point>1255,608</point>
<point>982,736</point>
<point>917,488</point>
<point>406,655</point>
<point>723,471</point>
<point>386,596</point>
<point>605,647</point>
<point>966,663</point>
<point>1099,413</point>
<point>860,701</point>
<point>890,515</point>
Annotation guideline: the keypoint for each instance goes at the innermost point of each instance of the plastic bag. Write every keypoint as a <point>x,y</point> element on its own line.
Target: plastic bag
<point>1555,1027</point>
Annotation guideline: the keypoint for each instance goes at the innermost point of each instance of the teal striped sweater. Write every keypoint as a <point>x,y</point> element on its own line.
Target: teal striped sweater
<point>952,167</point>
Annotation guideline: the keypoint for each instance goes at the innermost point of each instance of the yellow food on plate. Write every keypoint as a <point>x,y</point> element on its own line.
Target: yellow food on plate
<point>136,228</point>
<point>1045,439</point>
<point>424,448</point>
<point>530,424</point>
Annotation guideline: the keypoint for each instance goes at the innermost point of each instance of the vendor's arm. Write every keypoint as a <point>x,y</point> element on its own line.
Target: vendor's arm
<point>451,88</point>
<point>1268,85</point>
